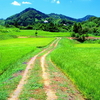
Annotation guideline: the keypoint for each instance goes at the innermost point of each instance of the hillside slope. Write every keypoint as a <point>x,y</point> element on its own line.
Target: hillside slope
<point>26,17</point>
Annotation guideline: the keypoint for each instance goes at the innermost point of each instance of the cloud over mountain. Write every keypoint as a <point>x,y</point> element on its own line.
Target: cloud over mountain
<point>16,3</point>
<point>26,2</point>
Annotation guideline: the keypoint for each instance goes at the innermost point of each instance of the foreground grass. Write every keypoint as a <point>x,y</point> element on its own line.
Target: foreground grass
<point>60,83</point>
<point>13,56</point>
<point>81,64</point>
<point>11,77</point>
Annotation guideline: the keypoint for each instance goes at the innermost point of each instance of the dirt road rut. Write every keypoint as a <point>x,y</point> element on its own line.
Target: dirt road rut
<point>50,91</point>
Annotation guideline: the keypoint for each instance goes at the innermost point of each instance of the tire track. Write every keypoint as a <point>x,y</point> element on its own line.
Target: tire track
<point>50,93</point>
<point>47,80</point>
<point>17,91</point>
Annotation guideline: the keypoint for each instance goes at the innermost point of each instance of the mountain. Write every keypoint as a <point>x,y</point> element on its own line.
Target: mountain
<point>26,17</point>
<point>31,16</point>
<point>85,18</point>
<point>60,16</point>
<point>1,19</point>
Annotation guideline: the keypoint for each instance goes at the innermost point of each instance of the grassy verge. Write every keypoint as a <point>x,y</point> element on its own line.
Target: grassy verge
<point>82,65</point>
<point>60,83</point>
<point>92,41</point>
<point>11,77</point>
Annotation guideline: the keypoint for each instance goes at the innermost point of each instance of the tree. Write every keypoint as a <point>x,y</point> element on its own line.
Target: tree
<point>30,27</point>
<point>79,32</point>
<point>79,28</point>
<point>16,24</point>
<point>36,33</point>
<point>75,28</point>
<point>50,27</point>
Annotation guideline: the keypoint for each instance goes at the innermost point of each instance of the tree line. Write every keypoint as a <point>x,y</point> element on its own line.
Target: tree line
<point>79,30</point>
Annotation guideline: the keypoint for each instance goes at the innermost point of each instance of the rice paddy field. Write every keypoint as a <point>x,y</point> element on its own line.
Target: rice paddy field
<point>14,49</point>
<point>81,63</point>
<point>14,54</point>
<point>31,33</point>
<point>41,33</point>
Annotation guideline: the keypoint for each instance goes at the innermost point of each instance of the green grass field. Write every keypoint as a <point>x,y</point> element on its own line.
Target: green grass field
<point>88,45</point>
<point>42,33</point>
<point>14,49</point>
<point>28,33</point>
<point>14,54</point>
<point>81,63</point>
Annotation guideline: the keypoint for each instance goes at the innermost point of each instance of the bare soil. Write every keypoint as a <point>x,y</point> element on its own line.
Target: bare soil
<point>22,37</point>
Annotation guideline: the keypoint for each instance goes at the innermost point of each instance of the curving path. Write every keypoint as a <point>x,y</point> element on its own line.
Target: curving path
<point>50,92</point>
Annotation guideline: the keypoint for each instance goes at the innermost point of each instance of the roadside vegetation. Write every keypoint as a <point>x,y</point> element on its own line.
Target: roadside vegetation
<point>80,62</point>
<point>92,41</point>
<point>14,55</point>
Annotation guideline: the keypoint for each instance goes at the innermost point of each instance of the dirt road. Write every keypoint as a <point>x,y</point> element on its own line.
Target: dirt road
<point>52,79</point>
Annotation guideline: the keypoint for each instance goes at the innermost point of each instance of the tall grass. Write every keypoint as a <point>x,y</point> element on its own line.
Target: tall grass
<point>14,49</point>
<point>81,65</point>
<point>14,55</point>
<point>6,33</point>
<point>6,36</point>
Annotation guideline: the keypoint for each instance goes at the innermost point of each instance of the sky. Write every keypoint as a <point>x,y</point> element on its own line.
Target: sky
<point>71,8</point>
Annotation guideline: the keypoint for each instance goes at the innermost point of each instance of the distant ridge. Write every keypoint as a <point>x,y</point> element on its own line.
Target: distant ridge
<point>85,18</point>
<point>60,16</point>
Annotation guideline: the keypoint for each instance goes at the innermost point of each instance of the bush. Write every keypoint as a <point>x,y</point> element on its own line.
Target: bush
<point>79,32</point>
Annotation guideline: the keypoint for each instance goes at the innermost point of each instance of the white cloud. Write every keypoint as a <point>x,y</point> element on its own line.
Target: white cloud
<point>26,2</point>
<point>16,3</point>
<point>58,2</point>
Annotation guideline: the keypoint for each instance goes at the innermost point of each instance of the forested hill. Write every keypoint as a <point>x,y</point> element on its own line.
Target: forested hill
<point>27,17</point>
<point>85,18</point>
<point>60,16</point>
<point>30,16</point>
